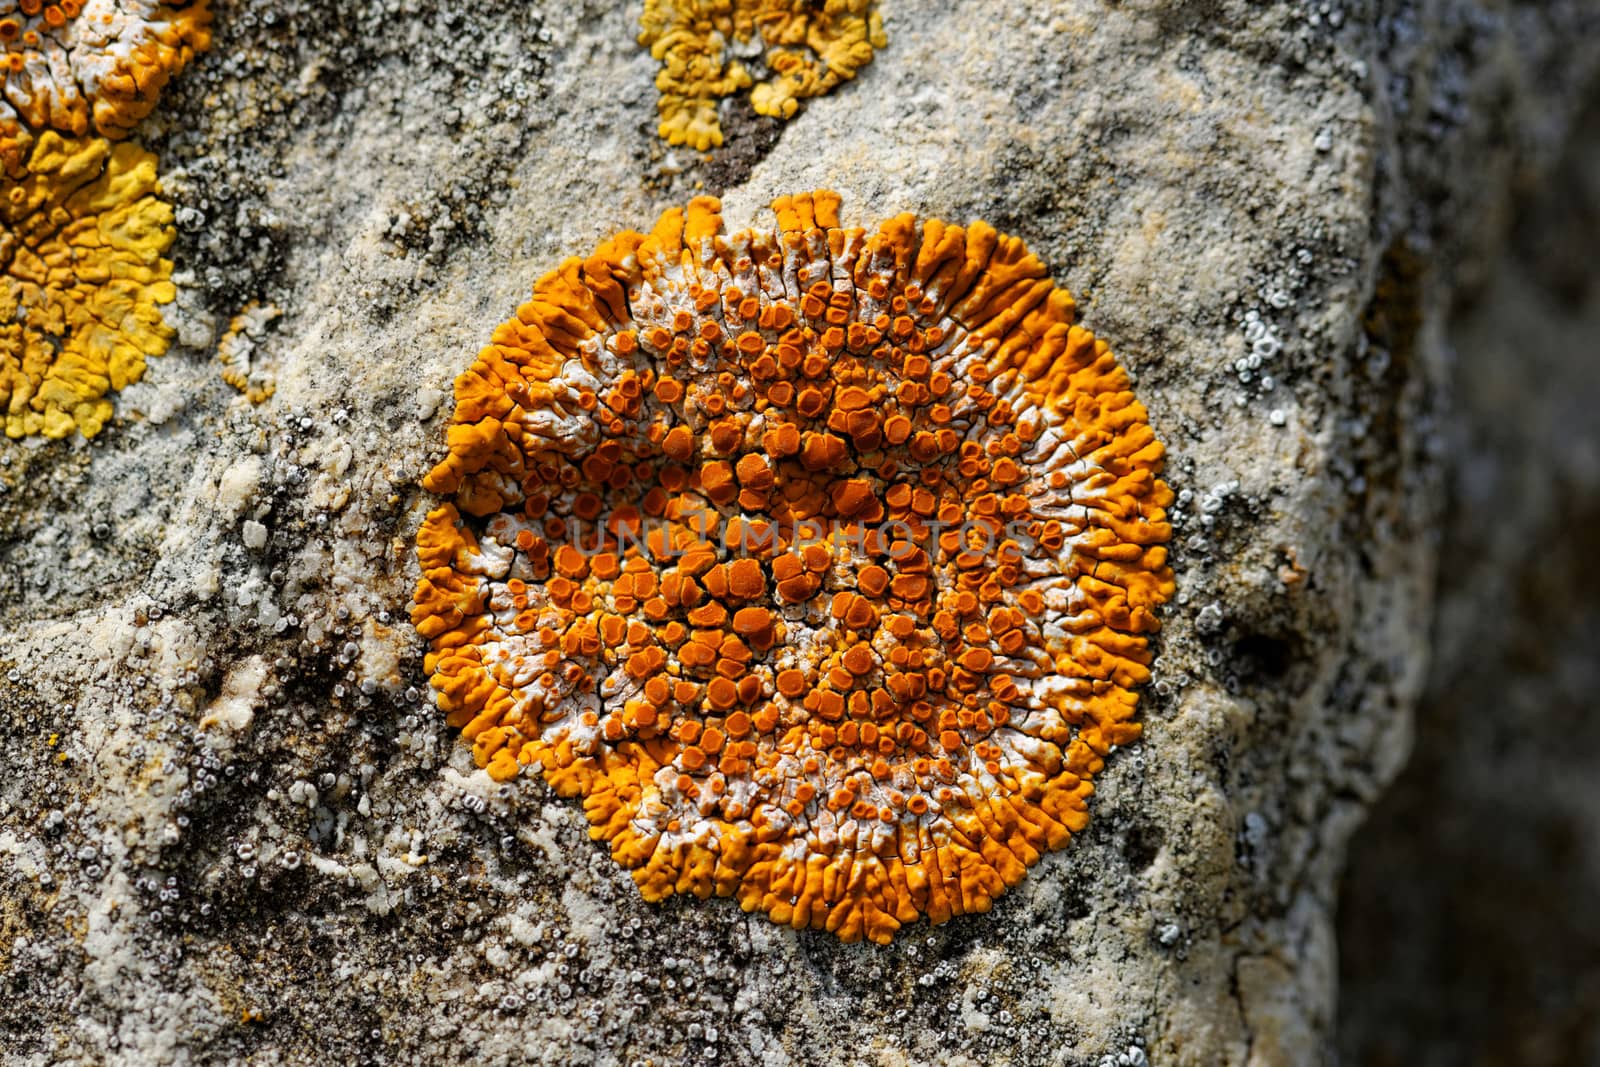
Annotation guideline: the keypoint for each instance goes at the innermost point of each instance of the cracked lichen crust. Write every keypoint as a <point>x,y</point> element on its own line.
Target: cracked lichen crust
<point>81,66</point>
<point>811,48</point>
<point>821,564</point>
<point>82,233</point>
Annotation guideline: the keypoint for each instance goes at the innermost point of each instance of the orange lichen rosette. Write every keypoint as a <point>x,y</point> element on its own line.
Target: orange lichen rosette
<point>83,276</point>
<point>821,564</point>
<point>81,66</point>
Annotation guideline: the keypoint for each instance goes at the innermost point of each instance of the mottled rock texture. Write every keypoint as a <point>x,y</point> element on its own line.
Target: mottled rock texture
<point>233,828</point>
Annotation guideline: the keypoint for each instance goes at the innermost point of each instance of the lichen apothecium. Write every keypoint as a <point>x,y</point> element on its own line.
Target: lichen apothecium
<point>820,564</point>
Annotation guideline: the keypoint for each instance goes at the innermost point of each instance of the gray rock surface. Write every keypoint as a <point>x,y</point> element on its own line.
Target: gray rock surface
<point>234,830</point>
<point>1463,910</point>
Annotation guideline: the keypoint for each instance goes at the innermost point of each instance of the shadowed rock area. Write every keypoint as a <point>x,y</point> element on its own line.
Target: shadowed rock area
<point>1462,910</point>
<point>233,827</point>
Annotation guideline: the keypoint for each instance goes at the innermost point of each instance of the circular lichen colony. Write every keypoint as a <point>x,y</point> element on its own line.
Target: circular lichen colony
<point>81,65</point>
<point>821,564</point>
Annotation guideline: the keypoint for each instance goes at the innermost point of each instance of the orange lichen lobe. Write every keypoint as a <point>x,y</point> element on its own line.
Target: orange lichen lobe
<point>820,563</point>
<point>810,48</point>
<point>82,66</point>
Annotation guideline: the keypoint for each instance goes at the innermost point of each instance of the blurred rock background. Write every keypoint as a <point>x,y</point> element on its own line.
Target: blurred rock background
<point>1468,931</point>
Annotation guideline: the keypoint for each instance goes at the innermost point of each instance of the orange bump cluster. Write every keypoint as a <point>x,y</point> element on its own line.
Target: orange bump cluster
<point>820,564</point>
<point>811,47</point>
<point>77,66</point>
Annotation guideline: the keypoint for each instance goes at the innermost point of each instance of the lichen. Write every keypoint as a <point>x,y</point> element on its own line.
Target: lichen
<point>81,66</point>
<point>811,48</point>
<point>82,234</point>
<point>84,230</point>
<point>241,352</point>
<point>820,564</point>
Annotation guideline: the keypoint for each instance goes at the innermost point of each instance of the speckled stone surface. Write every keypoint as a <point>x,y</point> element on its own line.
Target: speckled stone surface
<point>233,828</point>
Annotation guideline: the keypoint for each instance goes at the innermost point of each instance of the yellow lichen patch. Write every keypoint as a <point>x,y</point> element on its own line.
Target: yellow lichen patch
<point>241,352</point>
<point>811,47</point>
<point>82,234</point>
<point>820,564</point>
<point>81,65</point>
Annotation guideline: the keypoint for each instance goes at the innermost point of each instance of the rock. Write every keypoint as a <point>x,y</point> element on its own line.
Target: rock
<point>1258,206</point>
<point>1495,814</point>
